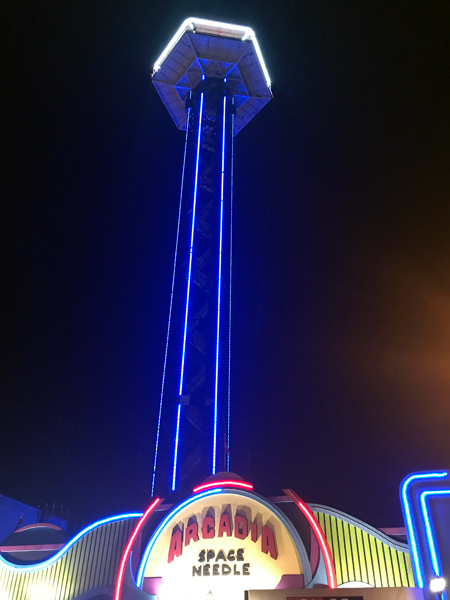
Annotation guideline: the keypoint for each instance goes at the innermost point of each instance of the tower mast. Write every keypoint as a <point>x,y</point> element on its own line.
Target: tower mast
<point>213,80</point>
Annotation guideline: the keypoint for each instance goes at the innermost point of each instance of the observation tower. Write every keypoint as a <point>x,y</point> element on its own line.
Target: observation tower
<point>213,80</point>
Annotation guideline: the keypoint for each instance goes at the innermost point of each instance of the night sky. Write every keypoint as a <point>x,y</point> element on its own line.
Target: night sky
<point>341,341</point>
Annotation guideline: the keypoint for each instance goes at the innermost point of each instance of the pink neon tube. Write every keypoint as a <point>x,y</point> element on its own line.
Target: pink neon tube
<point>126,554</point>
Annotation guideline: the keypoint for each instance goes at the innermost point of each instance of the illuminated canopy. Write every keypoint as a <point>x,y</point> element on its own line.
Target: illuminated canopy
<point>213,49</point>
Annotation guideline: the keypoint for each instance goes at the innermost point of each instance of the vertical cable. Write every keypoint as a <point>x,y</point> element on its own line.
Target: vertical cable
<point>219,288</point>
<point>229,302</point>
<point>188,293</point>
<point>170,309</point>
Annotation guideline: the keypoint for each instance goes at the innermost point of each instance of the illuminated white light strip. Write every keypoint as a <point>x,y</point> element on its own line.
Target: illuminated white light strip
<point>410,520</point>
<point>261,60</point>
<point>175,454</point>
<point>229,305</point>
<point>191,249</point>
<point>190,24</point>
<point>219,290</point>
<point>58,555</point>
<point>170,312</point>
<point>140,573</point>
<point>187,24</point>
<point>428,527</point>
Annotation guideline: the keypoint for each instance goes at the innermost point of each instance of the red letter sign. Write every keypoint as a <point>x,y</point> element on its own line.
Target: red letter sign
<point>240,527</point>
<point>191,534</point>
<point>224,525</point>
<point>208,528</point>
<point>268,542</point>
<point>176,546</point>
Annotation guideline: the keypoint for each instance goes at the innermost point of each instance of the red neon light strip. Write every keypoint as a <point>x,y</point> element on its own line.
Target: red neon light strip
<point>126,554</point>
<point>329,564</point>
<point>213,484</point>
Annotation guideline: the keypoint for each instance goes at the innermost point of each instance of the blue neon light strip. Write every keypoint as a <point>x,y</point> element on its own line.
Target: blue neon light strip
<point>170,311</point>
<point>188,293</point>
<point>429,527</point>
<point>155,536</point>
<point>229,305</point>
<point>50,561</point>
<point>191,248</point>
<point>219,290</point>
<point>175,454</point>
<point>410,525</point>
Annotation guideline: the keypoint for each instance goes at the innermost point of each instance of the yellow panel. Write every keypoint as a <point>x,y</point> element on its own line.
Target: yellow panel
<point>396,569</point>
<point>355,553</point>
<point>389,568</point>
<point>380,554</point>
<point>335,551</point>
<point>342,551</point>
<point>348,551</point>
<point>403,568</point>
<point>378,562</point>
<point>370,567</point>
<point>361,555</point>
<point>375,561</point>
<point>409,570</point>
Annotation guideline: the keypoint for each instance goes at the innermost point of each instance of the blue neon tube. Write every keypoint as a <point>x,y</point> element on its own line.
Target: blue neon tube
<point>219,290</point>
<point>229,305</point>
<point>410,525</point>
<point>188,293</point>
<point>158,429</point>
<point>155,536</point>
<point>175,454</point>
<point>191,248</point>
<point>429,527</point>
<point>50,561</point>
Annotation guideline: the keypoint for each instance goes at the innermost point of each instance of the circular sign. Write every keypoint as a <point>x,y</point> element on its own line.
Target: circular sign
<point>218,545</point>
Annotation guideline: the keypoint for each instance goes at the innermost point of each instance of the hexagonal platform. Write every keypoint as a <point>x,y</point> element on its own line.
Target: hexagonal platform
<point>202,47</point>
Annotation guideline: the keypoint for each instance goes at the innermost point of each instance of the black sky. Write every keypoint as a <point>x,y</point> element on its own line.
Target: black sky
<point>341,347</point>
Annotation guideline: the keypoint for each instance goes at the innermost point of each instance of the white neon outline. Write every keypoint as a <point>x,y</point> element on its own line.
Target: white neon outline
<point>410,521</point>
<point>50,561</point>
<point>187,24</point>
<point>153,539</point>
<point>429,527</point>
<point>170,313</point>
<point>175,454</point>
<point>191,249</point>
<point>190,24</point>
<point>219,289</point>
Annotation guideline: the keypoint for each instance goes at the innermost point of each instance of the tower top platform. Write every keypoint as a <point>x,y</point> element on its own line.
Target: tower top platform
<point>201,47</point>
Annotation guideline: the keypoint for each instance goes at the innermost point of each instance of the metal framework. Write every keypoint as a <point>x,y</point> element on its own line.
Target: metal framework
<point>212,79</point>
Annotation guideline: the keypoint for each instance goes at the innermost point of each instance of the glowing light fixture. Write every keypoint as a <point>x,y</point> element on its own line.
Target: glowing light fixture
<point>41,590</point>
<point>155,536</point>
<point>438,585</point>
<point>57,556</point>
<point>228,483</point>
<point>127,552</point>
<point>409,518</point>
